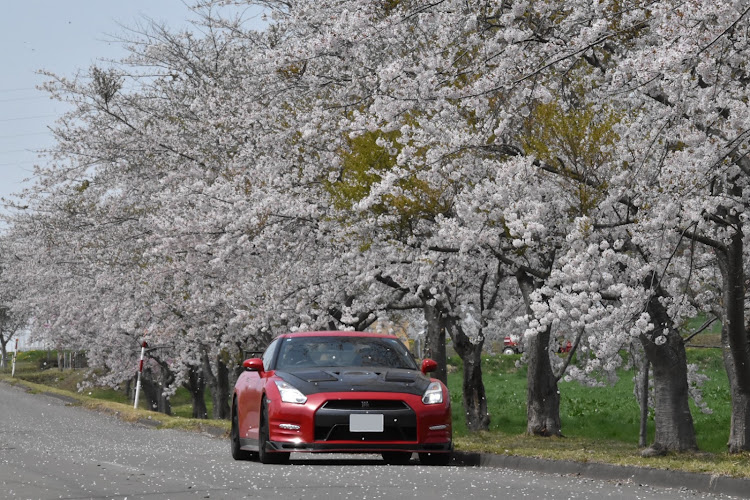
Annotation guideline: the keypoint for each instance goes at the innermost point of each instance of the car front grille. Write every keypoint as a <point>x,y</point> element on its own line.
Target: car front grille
<point>332,421</point>
<point>365,404</point>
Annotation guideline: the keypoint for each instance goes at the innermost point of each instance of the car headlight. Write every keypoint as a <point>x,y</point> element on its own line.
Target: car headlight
<point>289,393</point>
<point>433,395</point>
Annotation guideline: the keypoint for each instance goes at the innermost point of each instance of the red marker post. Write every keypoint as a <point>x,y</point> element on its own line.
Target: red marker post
<point>140,370</point>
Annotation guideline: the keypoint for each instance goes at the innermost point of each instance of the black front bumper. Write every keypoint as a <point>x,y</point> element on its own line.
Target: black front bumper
<point>323,447</point>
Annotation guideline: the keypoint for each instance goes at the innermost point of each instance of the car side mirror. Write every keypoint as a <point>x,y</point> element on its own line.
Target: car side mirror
<point>428,365</point>
<point>253,365</point>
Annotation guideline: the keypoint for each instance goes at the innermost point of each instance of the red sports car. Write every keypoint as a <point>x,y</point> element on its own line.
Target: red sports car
<point>340,392</point>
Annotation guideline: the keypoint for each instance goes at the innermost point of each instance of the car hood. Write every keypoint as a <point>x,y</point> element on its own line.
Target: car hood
<point>312,381</point>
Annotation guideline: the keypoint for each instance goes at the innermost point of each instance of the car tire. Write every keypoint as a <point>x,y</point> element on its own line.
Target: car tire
<point>396,457</point>
<point>434,458</point>
<point>234,438</point>
<point>509,351</point>
<point>264,456</point>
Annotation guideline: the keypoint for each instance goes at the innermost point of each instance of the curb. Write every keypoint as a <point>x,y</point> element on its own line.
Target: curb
<point>213,431</point>
<point>69,400</point>
<point>148,422</point>
<point>663,478</point>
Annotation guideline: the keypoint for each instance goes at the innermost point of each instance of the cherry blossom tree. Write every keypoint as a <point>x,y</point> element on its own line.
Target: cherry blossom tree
<point>691,139</point>
<point>356,160</point>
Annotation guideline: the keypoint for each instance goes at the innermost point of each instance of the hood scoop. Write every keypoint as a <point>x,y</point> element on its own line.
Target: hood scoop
<point>316,376</point>
<point>356,377</point>
<point>395,376</point>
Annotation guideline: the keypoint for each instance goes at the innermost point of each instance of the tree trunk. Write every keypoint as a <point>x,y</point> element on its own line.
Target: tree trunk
<point>3,354</point>
<point>434,346</point>
<point>543,397</point>
<point>4,318</point>
<point>739,430</point>
<point>474,396</point>
<point>128,388</point>
<point>735,343</point>
<point>219,385</point>
<point>542,394</point>
<point>673,422</point>
<point>642,391</point>
<point>153,387</point>
<point>196,385</point>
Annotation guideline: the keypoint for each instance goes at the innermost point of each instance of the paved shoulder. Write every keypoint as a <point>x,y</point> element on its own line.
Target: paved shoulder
<point>736,487</point>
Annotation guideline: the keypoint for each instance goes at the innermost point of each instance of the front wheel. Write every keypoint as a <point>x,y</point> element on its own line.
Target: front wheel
<point>264,456</point>
<point>234,439</point>
<point>434,458</point>
<point>508,351</point>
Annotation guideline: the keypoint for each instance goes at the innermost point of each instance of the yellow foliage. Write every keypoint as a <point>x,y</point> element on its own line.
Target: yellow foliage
<point>83,186</point>
<point>574,140</point>
<point>292,71</point>
<point>368,157</point>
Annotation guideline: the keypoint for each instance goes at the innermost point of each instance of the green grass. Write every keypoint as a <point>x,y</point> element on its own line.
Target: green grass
<point>600,424</point>
<point>712,431</point>
<point>505,386</point>
<point>182,405</point>
<point>605,413</point>
<point>709,337</point>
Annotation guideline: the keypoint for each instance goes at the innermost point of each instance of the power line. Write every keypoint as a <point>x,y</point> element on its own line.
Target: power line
<point>16,151</point>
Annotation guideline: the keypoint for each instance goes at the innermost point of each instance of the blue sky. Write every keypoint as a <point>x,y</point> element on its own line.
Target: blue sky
<point>62,36</point>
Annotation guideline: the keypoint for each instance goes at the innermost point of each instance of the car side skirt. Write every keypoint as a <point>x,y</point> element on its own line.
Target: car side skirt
<point>249,444</point>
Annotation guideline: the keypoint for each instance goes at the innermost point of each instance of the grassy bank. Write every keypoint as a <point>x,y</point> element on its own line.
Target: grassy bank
<point>606,413</point>
<point>600,424</point>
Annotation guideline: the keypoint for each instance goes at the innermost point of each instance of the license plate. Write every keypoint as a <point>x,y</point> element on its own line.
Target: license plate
<point>365,422</point>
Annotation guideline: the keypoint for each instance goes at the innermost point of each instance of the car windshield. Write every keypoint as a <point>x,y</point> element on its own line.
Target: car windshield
<point>306,352</point>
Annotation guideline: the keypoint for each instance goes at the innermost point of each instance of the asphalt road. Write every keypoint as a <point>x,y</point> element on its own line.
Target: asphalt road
<point>49,450</point>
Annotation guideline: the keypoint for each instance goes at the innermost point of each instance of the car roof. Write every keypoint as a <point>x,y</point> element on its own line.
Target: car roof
<point>337,334</point>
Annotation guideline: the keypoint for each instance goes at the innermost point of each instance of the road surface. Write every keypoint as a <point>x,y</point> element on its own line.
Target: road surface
<point>49,450</point>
